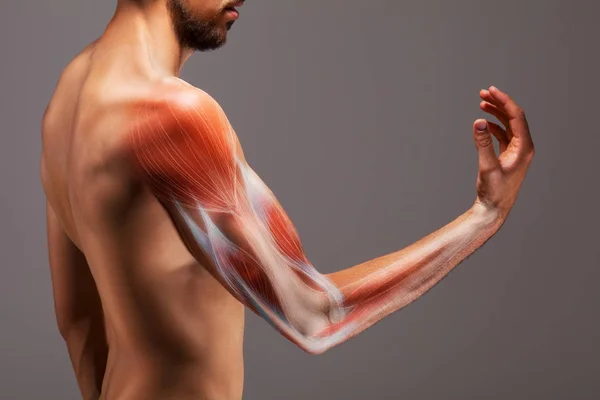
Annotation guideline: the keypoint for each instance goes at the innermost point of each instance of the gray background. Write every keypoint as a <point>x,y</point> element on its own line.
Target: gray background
<point>358,115</point>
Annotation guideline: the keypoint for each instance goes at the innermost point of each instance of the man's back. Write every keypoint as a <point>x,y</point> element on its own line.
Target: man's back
<point>172,330</point>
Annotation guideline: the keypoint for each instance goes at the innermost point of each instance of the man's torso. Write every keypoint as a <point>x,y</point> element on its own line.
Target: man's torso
<point>173,331</point>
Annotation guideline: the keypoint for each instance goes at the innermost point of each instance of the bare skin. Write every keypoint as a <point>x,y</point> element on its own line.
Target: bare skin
<point>146,313</point>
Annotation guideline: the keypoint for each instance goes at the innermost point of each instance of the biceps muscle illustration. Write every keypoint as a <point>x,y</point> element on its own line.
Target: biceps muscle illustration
<point>190,161</point>
<point>236,221</point>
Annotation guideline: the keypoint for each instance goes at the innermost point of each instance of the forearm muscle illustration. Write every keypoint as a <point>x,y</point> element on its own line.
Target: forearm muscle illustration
<point>190,156</point>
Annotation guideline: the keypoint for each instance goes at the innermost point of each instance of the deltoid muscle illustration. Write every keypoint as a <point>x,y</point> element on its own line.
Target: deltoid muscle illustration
<point>190,155</point>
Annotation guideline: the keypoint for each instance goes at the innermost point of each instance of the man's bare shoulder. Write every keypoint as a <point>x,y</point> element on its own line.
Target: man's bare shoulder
<point>178,109</point>
<point>68,84</point>
<point>173,97</point>
<point>182,132</point>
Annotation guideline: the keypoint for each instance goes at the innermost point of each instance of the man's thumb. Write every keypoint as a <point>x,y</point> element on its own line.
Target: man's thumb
<point>485,146</point>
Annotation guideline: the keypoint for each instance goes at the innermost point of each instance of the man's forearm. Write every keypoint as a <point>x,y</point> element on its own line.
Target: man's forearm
<point>376,288</point>
<point>88,351</point>
<point>358,296</point>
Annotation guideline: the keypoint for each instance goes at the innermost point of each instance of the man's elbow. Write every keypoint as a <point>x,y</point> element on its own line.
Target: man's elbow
<point>63,329</point>
<point>77,329</point>
<point>309,336</point>
<point>314,350</point>
<point>314,329</point>
<point>317,346</point>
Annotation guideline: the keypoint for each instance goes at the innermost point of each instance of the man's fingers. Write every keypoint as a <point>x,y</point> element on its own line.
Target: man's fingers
<point>488,160</point>
<point>487,96</point>
<point>516,115</point>
<point>495,111</point>
<point>500,135</point>
<point>506,103</point>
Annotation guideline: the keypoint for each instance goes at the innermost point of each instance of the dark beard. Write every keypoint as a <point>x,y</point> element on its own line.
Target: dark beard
<point>193,33</point>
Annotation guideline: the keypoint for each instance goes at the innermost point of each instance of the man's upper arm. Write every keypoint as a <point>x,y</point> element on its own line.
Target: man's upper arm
<point>75,295</point>
<point>189,154</point>
<point>78,308</point>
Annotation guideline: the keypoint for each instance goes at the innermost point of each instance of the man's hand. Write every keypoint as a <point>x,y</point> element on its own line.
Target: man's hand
<point>500,178</point>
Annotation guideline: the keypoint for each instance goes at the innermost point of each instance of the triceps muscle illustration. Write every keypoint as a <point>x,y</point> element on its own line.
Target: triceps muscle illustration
<point>189,154</point>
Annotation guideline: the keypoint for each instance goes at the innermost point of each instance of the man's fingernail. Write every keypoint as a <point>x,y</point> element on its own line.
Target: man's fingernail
<point>481,126</point>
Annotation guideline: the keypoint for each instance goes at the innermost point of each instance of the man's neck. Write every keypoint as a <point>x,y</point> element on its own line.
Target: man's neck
<point>145,33</point>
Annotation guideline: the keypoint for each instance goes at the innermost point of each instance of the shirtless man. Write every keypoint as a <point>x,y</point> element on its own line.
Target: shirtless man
<point>160,233</point>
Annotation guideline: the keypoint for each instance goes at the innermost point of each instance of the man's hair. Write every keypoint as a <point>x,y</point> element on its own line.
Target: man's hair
<point>193,32</point>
